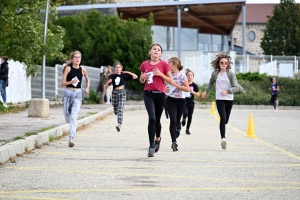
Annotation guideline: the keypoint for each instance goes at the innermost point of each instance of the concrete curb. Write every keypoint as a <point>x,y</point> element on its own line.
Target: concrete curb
<point>12,149</point>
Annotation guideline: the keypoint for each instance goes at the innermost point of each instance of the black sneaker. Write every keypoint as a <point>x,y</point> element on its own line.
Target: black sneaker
<point>188,132</point>
<point>157,144</point>
<point>151,152</point>
<point>118,128</point>
<point>174,146</point>
<point>71,142</point>
<point>183,123</point>
<point>177,133</point>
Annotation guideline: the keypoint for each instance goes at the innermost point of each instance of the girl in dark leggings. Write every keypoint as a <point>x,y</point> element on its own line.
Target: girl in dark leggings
<point>226,86</point>
<point>189,101</point>
<point>154,73</point>
<point>176,99</point>
<point>274,92</point>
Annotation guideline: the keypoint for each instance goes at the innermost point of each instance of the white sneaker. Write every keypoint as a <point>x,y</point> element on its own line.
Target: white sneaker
<point>71,142</point>
<point>108,103</point>
<point>223,143</point>
<point>5,105</point>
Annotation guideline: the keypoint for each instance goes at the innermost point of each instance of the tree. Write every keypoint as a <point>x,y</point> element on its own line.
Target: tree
<point>282,33</point>
<point>104,40</point>
<point>22,32</point>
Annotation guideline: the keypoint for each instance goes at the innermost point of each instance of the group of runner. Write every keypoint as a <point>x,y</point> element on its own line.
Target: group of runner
<point>160,79</point>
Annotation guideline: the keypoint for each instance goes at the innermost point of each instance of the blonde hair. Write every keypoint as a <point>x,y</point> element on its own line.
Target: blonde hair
<point>216,61</point>
<point>69,62</point>
<point>176,62</point>
<point>117,63</point>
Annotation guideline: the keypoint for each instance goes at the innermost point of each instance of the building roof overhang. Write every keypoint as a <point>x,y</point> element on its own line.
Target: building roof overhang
<point>208,16</point>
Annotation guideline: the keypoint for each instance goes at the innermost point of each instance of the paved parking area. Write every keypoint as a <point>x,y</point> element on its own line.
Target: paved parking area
<point>106,164</point>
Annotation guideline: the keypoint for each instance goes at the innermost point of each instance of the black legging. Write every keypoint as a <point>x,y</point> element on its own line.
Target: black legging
<point>188,112</point>
<point>154,103</point>
<point>166,108</point>
<point>224,108</point>
<point>175,109</point>
<point>273,100</point>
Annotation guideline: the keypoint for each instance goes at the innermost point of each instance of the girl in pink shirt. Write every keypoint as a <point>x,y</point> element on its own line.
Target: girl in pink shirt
<point>154,73</point>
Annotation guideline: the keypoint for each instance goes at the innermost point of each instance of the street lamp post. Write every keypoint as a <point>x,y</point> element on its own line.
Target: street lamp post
<point>44,56</point>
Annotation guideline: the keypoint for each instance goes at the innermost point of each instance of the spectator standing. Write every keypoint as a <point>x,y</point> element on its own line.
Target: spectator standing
<point>4,78</point>
<point>100,87</point>
<point>109,89</point>
<point>71,80</point>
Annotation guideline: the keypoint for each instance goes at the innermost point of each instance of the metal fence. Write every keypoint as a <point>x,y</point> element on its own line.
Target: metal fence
<point>53,76</point>
<point>199,63</point>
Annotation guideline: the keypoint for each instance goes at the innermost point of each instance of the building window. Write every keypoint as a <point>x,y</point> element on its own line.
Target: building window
<point>251,36</point>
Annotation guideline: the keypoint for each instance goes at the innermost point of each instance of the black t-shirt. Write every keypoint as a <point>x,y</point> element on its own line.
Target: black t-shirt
<point>119,79</point>
<point>75,72</point>
<point>195,88</point>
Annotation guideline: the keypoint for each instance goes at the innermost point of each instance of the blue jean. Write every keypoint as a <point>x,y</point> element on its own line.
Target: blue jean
<point>3,89</point>
<point>72,118</point>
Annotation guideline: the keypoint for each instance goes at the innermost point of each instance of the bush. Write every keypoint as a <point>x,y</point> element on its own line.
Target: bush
<point>92,98</point>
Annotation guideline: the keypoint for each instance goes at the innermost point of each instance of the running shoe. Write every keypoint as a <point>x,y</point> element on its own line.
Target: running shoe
<point>151,152</point>
<point>118,128</point>
<point>71,142</point>
<point>174,146</point>
<point>223,143</point>
<point>188,132</point>
<point>157,144</point>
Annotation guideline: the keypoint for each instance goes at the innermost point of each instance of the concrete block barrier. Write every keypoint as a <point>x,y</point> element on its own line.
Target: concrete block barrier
<point>39,107</point>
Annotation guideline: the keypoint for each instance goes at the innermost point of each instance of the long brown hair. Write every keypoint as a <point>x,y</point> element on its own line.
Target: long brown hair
<point>5,58</point>
<point>176,62</point>
<point>155,44</point>
<point>69,62</point>
<point>117,63</point>
<point>188,70</point>
<point>216,61</point>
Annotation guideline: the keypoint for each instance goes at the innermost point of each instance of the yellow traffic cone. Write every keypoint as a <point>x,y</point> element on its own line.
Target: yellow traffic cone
<point>213,109</point>
<point>251,132</point>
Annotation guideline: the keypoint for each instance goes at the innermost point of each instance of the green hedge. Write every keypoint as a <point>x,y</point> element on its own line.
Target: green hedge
<point>258,93</point>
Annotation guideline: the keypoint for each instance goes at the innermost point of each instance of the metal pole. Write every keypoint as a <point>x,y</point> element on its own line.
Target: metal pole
<point>244,36</point>
<point>179,31</point>
<point>44,56</point>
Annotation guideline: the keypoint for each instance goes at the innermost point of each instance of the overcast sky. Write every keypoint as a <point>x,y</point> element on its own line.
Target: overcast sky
<point>267,1</point>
